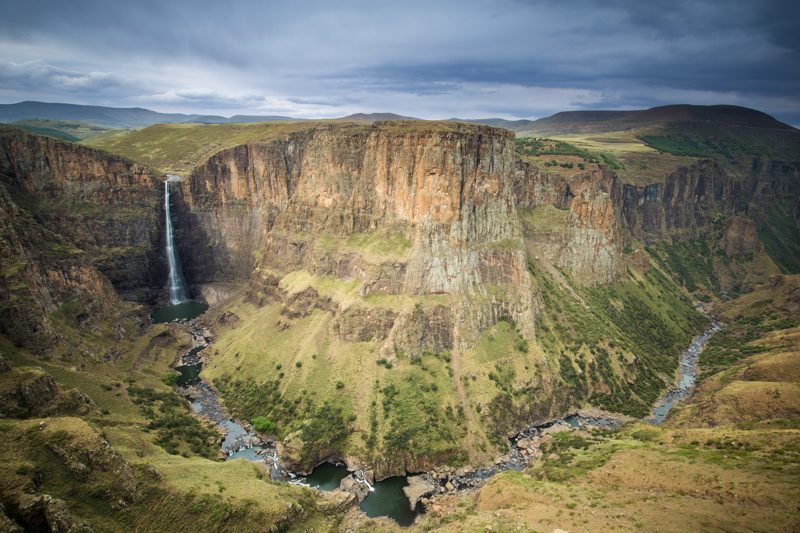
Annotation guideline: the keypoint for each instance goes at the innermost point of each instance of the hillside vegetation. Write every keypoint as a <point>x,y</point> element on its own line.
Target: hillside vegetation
<point>68,130</point>
<point>109,445</point>
<point>178,148</point>
<point>376,319</point>
<point>728,459</point>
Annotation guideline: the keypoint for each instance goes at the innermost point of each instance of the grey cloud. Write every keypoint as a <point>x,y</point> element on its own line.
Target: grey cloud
<point>38,75</point>
<point>317,58</point>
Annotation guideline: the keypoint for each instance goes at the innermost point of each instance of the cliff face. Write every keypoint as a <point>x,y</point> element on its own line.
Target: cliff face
<point>685,205</point>
<point>71,219</point>
<point>584,235</point>
<point>41,272</point>
<point>580,221</point>
<point>441,196</point>
<point>103,204</point>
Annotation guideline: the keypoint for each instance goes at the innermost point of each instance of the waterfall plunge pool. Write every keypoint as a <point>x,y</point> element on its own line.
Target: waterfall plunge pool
<point>386,499</point>
<point>182,311</point>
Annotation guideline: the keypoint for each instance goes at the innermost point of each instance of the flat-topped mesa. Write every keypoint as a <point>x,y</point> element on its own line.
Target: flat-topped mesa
<point>404,208</point>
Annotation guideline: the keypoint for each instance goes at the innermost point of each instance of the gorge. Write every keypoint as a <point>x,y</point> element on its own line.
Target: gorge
<point>452,302</point>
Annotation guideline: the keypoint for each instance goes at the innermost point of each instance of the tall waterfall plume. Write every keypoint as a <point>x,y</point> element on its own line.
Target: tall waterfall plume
<point>177,285</point>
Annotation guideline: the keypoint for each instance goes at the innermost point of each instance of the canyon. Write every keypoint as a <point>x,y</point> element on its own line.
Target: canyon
<point>400,296</point>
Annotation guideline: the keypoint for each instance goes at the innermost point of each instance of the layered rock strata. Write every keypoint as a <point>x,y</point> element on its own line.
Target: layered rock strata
<point>441,194</point>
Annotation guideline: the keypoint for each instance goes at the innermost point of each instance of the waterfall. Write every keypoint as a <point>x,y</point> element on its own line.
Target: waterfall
<point>177,286</point>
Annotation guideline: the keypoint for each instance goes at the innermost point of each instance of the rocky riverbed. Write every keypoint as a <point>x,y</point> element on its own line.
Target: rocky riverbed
<point>239,440</point>
<point>422,490</point>
<point>524,449</point>
<point>687,375</point>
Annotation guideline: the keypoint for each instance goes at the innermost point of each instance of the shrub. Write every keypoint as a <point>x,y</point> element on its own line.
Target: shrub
<point>645,435</point>
<point>263,425</point>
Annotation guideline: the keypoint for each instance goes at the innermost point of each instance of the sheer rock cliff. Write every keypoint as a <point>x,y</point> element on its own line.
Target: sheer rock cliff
<point>443,194</point>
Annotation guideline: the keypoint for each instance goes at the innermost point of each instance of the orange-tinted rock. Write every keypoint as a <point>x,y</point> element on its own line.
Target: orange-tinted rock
<point>589,245</point>
<point>445,188</point>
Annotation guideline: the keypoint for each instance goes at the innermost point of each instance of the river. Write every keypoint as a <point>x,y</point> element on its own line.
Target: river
<point>687,376</point>
<point>386,497</point>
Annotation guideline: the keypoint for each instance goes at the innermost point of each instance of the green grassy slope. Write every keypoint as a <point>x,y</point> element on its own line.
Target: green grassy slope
<point>134,457</point>
<point>68,130</point>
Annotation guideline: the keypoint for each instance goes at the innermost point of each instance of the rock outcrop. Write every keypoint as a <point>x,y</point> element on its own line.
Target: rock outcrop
<point>28,392</point>
<point>60,225</point>
<point>102,204</point>
<point>398,207</point>
<point>418,487</point>
<point>355,486</point>
<point>41,272</point>
<point>582,232</point>
<point>741,237</point>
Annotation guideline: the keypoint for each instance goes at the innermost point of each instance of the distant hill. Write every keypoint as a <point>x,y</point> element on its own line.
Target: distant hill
<point>568,122</point>
<point>115,117</point>
<point>68,130</point>
<point>513,125</point>
<point>723,132</point>
<point>374,117</point>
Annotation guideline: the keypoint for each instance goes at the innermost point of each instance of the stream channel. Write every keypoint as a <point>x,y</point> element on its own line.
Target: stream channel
<point>386,497</point>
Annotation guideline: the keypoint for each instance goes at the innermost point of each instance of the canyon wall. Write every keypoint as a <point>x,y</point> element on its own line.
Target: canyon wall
<point>401,208</point>
<point>73,221</point>
<point>100,203</point>
<point>587,240</point>
<point>583,221</point>
<point>41,271</point>
<point>442,193</point>
<point>687,203</point>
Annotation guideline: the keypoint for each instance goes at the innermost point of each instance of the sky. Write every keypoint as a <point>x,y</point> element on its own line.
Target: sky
<point>428,59</point>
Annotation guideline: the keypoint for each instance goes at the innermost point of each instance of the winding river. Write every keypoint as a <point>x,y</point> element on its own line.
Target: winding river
<point>687,375</point>
<point>386,497</point>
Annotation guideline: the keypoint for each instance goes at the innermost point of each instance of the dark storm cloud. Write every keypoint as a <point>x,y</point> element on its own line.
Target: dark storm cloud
<point>431,59</point>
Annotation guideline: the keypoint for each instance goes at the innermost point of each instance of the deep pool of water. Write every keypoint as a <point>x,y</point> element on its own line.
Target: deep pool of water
<point>326,476</point>
<point>386,499</point>
<point>185,310</point>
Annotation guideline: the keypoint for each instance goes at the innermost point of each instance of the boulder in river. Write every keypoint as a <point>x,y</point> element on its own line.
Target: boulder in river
<point>336,501</point>
<point>418,487</point>
<point>354,486</point>
<point>558,427</point>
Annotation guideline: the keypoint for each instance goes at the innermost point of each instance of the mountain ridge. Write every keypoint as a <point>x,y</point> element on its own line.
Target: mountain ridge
<point>564,122</point>
<point>598,121</point>
<point>115,117</point>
